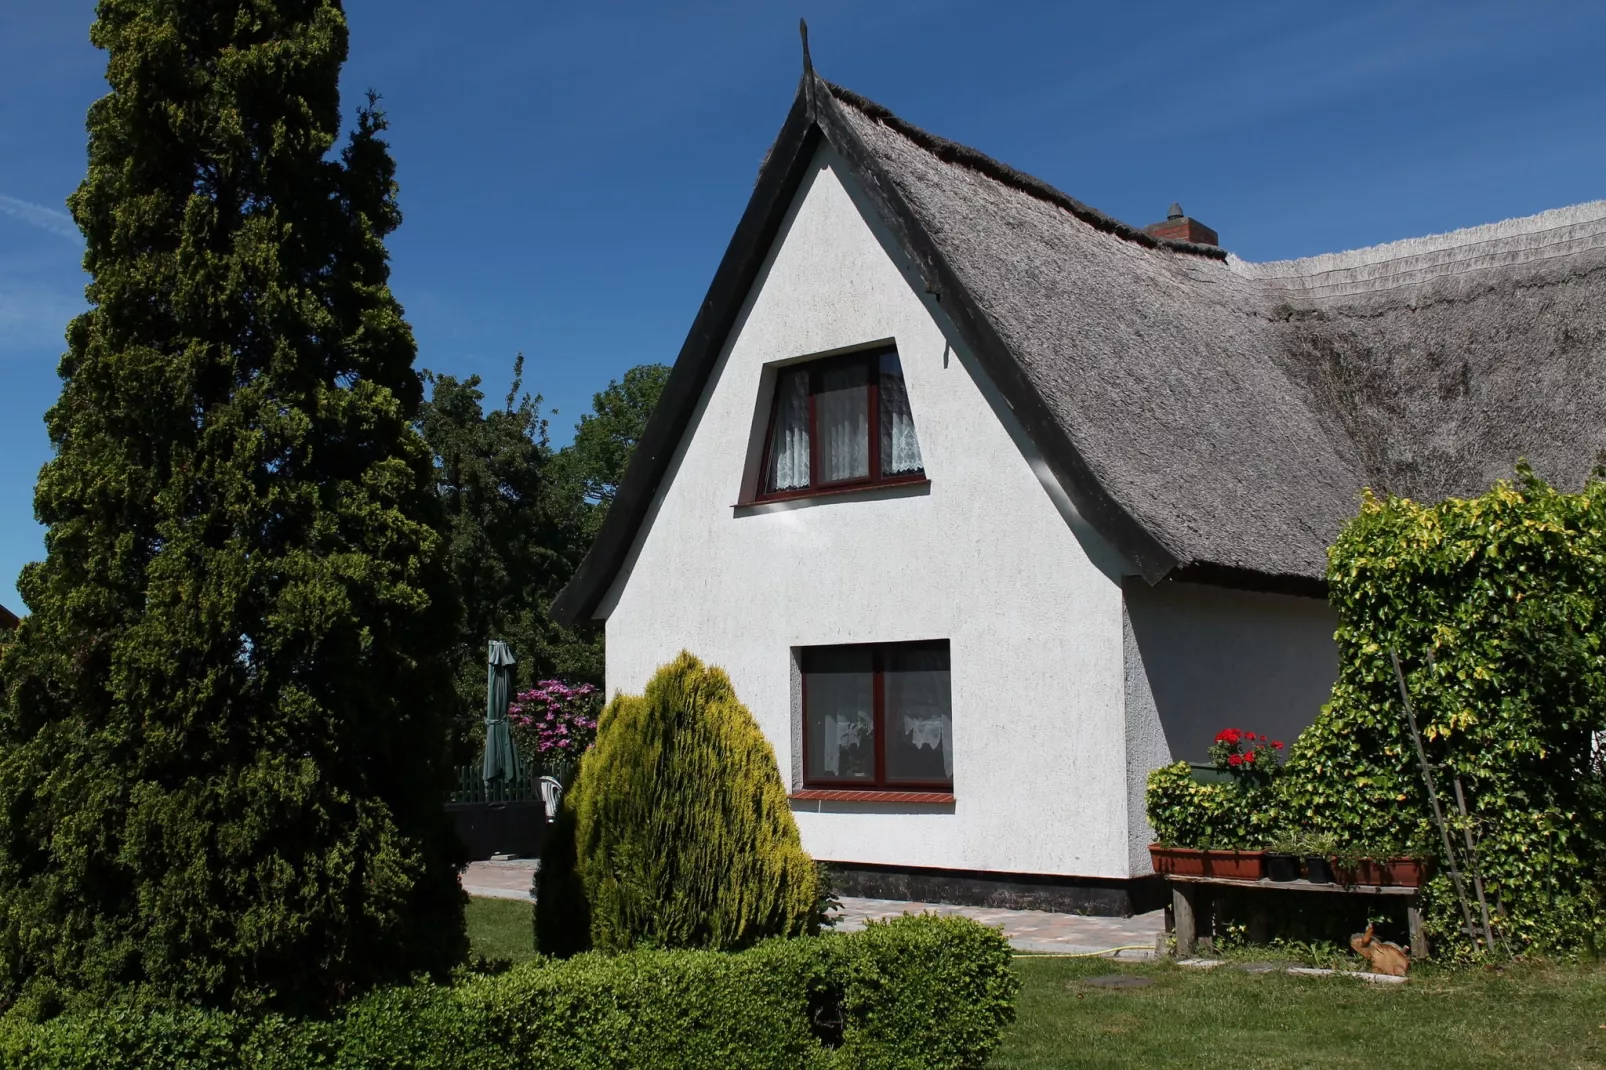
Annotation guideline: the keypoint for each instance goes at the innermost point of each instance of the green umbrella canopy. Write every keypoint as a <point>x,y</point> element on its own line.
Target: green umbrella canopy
<point>501,760</point>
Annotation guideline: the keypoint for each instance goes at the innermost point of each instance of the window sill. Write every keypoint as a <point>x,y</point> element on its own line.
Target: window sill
<point>878,795</point>
<point>898,487</point>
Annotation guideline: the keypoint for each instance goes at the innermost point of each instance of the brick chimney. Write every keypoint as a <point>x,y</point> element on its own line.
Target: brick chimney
<point>1179,227</point>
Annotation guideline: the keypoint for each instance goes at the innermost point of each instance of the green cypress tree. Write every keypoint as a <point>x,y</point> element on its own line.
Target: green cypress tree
<point>223,743</point>
<point>677,828</point>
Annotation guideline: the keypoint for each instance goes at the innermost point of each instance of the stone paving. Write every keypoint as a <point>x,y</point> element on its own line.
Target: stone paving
<point>500,880</point>
<point>1027,930</point>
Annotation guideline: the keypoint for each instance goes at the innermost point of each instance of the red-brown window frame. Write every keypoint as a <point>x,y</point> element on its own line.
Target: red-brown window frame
<point>878,720</point>
<point>871,361</point>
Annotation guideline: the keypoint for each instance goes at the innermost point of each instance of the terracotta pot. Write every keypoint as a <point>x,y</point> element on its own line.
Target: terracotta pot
<point>1193,862</point>
<point>1395,872</point>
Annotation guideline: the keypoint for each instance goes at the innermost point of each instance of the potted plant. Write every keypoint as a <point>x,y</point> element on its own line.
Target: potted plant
<point>1380,867</point>
<point>1247,757</point>
<point>1317,849</point>
<point>1282,858</point>
<point>1229,863</point>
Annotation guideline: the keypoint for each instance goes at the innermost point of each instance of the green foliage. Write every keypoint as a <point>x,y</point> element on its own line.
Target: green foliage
<point>222,744</point>
<point>1495,606</point>
<point>925,992</point>
<point>1224,815</point>
<point>605,439</point>
<point>682,835</point>
<point>515,532</point>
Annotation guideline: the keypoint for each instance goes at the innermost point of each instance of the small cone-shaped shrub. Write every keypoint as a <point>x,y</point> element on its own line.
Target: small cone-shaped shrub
<point>677,826</point>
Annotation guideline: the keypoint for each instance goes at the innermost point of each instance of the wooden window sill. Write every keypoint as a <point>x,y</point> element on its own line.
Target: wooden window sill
<point>841,491</point>
<point>878,795</point>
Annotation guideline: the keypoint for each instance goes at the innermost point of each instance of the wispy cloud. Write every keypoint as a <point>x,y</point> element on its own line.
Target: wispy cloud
<point>58,223</point>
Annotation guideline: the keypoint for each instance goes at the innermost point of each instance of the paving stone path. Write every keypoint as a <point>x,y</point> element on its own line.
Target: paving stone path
<point>1027,930</point>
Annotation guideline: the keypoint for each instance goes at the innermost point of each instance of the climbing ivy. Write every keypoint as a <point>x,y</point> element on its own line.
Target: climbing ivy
<point>1495,606</point>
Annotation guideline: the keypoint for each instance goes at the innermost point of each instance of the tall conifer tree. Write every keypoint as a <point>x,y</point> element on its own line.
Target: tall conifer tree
<point>223,744</point>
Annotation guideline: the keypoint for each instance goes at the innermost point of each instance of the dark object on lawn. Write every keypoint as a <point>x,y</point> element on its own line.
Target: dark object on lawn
<point>1318,870</point>
<point>1118,980</point>
<point>1384,957</point>
<point>1282,868</point>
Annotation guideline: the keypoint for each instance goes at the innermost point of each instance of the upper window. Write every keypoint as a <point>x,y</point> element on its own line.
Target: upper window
<point>838,423</point>
<point>877,716</point>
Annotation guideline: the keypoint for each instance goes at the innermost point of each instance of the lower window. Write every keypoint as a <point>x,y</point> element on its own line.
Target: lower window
<point>877,716</point>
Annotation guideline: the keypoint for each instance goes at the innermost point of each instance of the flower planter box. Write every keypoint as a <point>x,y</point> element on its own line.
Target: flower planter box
<point>1390,872</point>
<point>1193,862</point>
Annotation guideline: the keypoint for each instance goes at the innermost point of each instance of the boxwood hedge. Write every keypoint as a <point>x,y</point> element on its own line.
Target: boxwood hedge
<point>916,992</point>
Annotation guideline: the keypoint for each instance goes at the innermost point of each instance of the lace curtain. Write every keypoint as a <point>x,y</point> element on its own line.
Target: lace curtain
<point>900,450</point>
<point>919,715</point>
<point>841,700</point>
<point>843,409</point>
<point>789,443</point>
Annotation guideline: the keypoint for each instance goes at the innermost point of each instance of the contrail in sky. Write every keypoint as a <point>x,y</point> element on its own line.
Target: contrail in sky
<point>58,223</point>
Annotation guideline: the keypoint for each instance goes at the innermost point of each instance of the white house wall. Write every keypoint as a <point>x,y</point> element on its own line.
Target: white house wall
<point>988,559</point>
<point>1200,659</point>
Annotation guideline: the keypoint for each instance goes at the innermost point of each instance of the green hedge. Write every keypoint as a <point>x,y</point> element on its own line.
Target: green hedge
<point>915,992</point>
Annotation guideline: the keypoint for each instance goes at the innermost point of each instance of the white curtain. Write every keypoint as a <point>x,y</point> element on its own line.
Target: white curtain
<point>789,442</point>
<point>844,725</point>
<point>919,709</point>
<point>900,450</point>
<point>843,410</point>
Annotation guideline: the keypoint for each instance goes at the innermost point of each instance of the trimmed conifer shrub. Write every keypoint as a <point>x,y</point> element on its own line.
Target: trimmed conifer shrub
<point>223,742</point>
<point>681,833</point>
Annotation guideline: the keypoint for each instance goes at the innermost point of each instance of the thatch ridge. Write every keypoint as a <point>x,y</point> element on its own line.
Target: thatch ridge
<point>965,156</point>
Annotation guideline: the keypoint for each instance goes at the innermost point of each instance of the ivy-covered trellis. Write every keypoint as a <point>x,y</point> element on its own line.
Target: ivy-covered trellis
<point>1496,606</point>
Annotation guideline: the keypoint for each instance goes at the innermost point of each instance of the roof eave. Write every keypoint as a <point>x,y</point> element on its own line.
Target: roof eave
<point>744,257</point>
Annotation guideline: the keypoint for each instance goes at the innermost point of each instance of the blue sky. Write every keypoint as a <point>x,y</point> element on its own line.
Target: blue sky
<point>570,173</point>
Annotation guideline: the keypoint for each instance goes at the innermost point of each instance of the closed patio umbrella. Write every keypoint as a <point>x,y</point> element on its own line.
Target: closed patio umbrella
<point>501,760</point>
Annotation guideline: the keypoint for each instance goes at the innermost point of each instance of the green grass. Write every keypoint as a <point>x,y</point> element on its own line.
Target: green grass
<point>1541,1015</point>
<point>1546,1016</point>
<point>500,929</point>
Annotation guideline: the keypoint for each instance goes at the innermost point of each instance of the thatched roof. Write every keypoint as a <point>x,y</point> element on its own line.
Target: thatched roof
<point>1214,419</point>
<point>8,620</point>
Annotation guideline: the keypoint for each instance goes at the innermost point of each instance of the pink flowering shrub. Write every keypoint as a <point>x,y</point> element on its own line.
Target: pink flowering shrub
<point>553,723</point>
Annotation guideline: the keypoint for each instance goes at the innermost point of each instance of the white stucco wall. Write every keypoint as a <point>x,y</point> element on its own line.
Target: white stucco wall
<point>992,558</point>
<point>1200,659</point>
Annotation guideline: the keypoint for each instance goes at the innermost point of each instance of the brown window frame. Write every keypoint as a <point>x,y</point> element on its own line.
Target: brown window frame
<point>871,361</point>
<point>878,721</point>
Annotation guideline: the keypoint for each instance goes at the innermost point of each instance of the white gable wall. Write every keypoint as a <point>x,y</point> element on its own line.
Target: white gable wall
<point>1029,600</point>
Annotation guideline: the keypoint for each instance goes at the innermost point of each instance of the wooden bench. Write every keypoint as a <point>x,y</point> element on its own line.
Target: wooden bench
<point>1190,894</point>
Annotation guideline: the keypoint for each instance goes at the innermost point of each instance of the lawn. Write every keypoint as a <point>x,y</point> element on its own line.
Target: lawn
<point>500,929</point>
<point>1550,1016</point>
<point>1542,1015</point>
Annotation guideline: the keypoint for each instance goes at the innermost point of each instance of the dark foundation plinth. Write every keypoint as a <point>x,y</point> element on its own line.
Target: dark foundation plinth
<point>1109,897</point>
